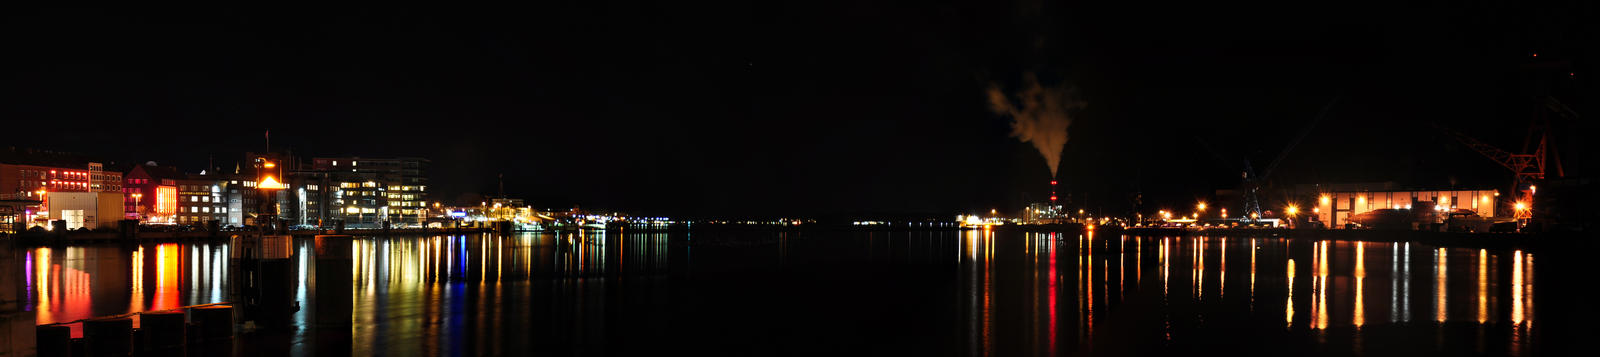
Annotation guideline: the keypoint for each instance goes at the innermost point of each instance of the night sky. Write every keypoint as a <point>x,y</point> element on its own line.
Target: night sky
<point>807,108</point>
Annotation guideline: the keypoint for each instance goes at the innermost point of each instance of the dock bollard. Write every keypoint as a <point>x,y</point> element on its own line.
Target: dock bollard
<point>163,331</point>
<point>212,323</point>
<point>106,337</point>
<point>53,340</point>
<point>333,303</point>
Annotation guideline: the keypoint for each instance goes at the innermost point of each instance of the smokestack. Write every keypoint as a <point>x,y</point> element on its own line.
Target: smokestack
<point>1052,193</point>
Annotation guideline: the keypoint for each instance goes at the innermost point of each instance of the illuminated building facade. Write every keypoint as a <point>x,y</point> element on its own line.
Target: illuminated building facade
<point>150,193</point>
<point>35,179</point>
<point>30,179</point>
<point>1042,213</point>
<point>308,200</point>
<point>1337,207</point>
<point>200,200</point>
<point>93,210</point>
<point>1335,204</point>
<point>237,197</point>
<point>364,192</point>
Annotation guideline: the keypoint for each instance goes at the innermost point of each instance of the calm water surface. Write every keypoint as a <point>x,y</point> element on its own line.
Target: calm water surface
<point>763,293</point>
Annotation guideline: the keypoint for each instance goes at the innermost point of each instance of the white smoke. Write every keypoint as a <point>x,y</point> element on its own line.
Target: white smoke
<point>1039,115</point>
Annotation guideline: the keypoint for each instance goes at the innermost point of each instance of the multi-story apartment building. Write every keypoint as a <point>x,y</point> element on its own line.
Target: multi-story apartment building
<point>364,192</point>
<point>200,200</point>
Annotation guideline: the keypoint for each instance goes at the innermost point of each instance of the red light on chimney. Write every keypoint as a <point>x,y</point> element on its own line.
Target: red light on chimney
<point>1052,182</point>
<point>1052,198</point>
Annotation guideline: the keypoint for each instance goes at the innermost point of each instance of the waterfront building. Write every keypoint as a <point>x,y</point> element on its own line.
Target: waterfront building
<point>200,200</point>
<point>30,180</point>
<point>365,192</point>
<point>28,175</point>
<point>91,210</point>
<point>151,193</point>
<point>309,198</point>
<point>36,182</point>
<point>237,203</point>
<point>1042,213</point>
<point>1336,204</point>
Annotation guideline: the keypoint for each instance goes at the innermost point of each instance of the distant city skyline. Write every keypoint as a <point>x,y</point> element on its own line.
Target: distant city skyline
<point>710,111</point>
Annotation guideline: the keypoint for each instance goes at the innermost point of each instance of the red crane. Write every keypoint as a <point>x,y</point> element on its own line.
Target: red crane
<point>1529,167</point>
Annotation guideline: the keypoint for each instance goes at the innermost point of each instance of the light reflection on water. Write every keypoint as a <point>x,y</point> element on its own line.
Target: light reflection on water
<point>1012,292</point>
<point>1349,282</point>
<point>74,283</point>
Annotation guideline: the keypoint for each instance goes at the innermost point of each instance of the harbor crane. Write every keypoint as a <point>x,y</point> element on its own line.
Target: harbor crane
<point>1251,182</point>
<point>1528,167</point>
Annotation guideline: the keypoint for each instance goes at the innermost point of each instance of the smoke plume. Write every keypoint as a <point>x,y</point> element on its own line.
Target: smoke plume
<point>1039,115</point>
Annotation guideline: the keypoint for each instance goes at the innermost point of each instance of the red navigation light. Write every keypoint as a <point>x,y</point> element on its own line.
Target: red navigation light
<point>1052,198</point>
<point>1052,182</point>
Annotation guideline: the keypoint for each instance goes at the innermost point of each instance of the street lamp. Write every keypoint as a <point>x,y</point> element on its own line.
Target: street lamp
<point>138,205</point>
<point>268,183</point>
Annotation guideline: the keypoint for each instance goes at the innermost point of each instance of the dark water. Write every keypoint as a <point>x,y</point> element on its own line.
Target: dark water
<point>904,293</point>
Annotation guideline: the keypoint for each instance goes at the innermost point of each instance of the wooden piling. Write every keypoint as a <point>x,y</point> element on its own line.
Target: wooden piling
<point>163,331</point>
<point>109,336</point>
<point>212,323</point>
<point>53,340</point>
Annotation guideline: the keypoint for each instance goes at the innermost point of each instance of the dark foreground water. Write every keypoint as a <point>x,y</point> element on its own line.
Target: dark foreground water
<point>829,293</point>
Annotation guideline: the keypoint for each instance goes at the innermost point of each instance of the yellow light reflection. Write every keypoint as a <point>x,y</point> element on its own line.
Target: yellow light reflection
<point>988,293</point>
<point>1165,263</point>
<point>1199,270</point>
<point>1288,309</point>
<point>136,302</point>
<point>1483,285</point>
<point>1089,283</point>
<point>1361,274</point>
<point>1439,290</point>
<point>166,277</point>
<point>42,283</point>
<point>1322,286</point>
<point>1528,282</point>
<point>1516,288</point>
